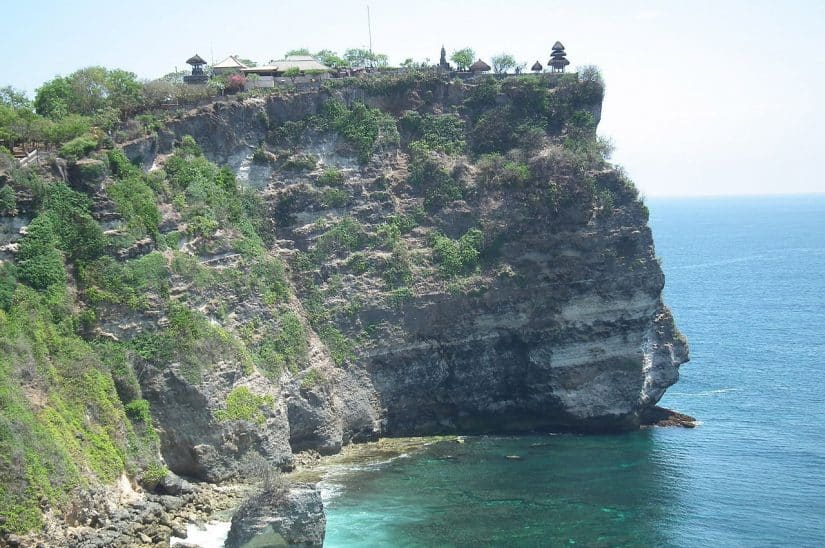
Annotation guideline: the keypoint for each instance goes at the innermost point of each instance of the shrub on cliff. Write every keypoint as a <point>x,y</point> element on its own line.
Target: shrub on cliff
<point>135,201</point>
<point>40,262</point>
<point>366,129</point>
<point>443,133</point>
<point>455,257</point>
<point>428,176</point>
<point>283,348</point>
<point>8,283</point>
<point>494,131</point>
<point>243,404</point>
<point>345,236</point>
<point>483,94</point>
<point>330,177</point>
<point>79,235</point>
<point>8,200</point>
<point>496,170</point>
<point>79,147</point>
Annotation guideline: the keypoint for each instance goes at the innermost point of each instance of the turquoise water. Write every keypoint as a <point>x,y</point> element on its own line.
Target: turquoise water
<point>746,282</point>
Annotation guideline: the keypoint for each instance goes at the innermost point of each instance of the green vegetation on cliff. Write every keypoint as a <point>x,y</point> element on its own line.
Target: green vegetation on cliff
<point>124,275</point>
<point>64,426</point>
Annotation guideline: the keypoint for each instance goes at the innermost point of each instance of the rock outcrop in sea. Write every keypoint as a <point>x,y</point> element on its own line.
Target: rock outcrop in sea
<point>292,516</point>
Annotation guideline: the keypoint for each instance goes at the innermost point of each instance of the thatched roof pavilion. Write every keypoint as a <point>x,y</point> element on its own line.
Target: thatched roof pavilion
<point>479,66</point>
<point>558,58</point>
<point>537,67</point>
<point>195,60</point>
<point>197,76</point>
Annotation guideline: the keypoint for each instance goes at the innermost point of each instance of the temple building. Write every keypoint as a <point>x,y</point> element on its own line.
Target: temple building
<point>558,58</point>
<point>230,65</point>
<point>537,67</point>
<point>198,75</point>
<point>442,62</point>
<point>304,63</point>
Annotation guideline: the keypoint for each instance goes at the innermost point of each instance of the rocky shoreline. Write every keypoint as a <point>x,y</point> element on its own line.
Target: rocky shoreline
<point>289,509</point>
<point>120,517</point>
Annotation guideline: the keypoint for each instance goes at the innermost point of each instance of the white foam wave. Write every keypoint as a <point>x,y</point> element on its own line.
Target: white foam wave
<point>707,392</point>
<point>209,535</point>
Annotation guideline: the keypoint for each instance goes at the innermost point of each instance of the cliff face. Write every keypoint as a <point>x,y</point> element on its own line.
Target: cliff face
<point>401,258</point>
<point>562,325</point>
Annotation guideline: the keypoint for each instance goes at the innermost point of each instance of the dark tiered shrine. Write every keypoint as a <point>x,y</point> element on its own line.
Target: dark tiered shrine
<point>443,65</point>
<point>198,76</point>
<point>558,58</point>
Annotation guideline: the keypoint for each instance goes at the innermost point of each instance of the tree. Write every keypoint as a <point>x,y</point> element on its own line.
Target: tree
<point>299,51</point>
<point>9,120</point>
<point>14,98</point>
<point>124,91</point>
<point>52,98</point>
<point>360,57</point>
<point>503,62</point>
<point>89,91</point>
<point>463,58</point>
<point>331,59</point>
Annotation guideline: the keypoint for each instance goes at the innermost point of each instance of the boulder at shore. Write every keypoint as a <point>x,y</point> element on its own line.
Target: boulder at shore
<point>291,516</point>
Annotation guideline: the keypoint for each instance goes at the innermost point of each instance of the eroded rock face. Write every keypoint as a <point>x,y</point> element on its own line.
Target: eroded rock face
<point>563,327</point>
<point>280,517</point>
<point>576,338</point>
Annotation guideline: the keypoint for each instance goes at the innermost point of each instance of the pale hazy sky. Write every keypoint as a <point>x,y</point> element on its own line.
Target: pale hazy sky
<point>703,97</point>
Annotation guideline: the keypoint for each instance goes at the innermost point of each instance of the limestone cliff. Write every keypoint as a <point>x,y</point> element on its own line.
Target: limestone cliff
<point>561,324</point>
<point>403,256</point>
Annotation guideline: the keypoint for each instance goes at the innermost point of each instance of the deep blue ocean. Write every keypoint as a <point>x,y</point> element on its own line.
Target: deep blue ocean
<point>746,283</point>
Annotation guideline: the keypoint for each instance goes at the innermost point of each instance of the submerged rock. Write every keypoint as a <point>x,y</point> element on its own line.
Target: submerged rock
<point>661,416</point>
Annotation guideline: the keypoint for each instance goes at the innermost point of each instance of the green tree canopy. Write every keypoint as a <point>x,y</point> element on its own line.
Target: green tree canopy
<point>360,57</point>
<point>504,62</point>
<point>463,58</point>
<point>124,91</point>
<point>88,92</point>
<point>14,98</point>
<point>52,98</point>
<point>330,58</point>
